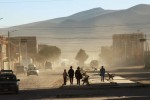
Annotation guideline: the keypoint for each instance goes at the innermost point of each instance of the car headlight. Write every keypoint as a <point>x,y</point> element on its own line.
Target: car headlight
<point>37,71</point>
<point>17,83</point>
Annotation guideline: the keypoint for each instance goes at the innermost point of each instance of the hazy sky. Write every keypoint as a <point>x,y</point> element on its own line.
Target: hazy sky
<point>17,12</point>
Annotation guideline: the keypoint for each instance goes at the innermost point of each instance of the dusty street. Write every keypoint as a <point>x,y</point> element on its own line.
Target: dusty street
<point>45,79</point>
<point>48,86</point>
<point>81,94</point>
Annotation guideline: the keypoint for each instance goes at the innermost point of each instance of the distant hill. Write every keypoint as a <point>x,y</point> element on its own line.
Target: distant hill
<point>88,29</point>
<point>92,21</point>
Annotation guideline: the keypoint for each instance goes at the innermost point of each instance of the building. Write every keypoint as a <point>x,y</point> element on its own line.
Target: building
<point>23,49</point>
<point>127,49</point>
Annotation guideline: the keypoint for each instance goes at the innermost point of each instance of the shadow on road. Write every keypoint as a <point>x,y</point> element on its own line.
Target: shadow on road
<point>134,93</point>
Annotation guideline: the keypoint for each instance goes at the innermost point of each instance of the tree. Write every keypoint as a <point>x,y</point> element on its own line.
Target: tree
<point>51,53</point>
<point>81,57</point>
<point>94,64</point>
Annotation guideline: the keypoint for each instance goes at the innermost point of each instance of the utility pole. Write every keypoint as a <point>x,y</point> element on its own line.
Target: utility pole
<point>9,52</point>
<point>19,51</point>
<point>9,64</point>
<point>2,67</point>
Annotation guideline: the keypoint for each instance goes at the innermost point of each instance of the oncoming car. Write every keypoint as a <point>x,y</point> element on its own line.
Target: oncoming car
<point>32,70</point>
<point>8,82</point>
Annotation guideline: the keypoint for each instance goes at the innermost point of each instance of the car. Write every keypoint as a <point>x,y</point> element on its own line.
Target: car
<point>32,70</point>
<point>9,82</point>
<point>6,71</point>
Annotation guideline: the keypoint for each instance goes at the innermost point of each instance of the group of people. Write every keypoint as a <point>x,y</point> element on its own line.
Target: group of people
<point>71,74</point>
<point>78,75</point>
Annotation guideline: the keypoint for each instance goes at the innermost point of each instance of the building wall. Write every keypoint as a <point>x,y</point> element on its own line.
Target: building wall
<point>127,49</point>
<point>25,47</point>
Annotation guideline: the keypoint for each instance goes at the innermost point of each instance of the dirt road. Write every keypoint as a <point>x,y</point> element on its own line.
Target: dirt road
<point>47,86</point>
<point>45,79</point>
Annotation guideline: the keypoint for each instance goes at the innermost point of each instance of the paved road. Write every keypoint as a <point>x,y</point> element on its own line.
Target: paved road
<point>95,80</point>
<point>81,94</point>
<point>47,86</point>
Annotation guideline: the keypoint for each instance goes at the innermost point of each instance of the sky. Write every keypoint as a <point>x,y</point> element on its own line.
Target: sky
<point>17,12</point>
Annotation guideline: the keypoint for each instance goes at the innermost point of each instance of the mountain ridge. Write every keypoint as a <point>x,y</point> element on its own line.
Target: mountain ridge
<point>100,12</point>
<point>88,29</point>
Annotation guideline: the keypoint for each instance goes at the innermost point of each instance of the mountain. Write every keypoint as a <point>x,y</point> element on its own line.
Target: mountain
<point>136,15</point>
<point>93,21</point>
<point>88,29</point>
<point>83,15</point>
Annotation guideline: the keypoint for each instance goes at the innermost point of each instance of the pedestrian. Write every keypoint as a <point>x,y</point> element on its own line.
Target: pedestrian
<point>71,75</point>
<point>78,75</point>
<point>65,76</point>
<point>102,73</point>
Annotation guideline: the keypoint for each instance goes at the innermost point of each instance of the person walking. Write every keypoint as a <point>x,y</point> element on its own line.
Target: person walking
<point>71,75</point>
<point>102,73</point>
<point>65,76</point>
<point>78,75</point>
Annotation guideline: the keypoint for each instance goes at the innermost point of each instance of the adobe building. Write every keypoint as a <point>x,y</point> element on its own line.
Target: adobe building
<point>128,49</point>
<point>23,49</point>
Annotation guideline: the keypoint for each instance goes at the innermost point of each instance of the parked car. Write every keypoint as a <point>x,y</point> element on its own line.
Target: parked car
<point>32,70</point>
<point>6,72</point>
<point>8,82</point>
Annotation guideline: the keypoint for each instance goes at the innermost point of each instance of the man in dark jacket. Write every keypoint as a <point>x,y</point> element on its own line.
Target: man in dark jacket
<point>71,74</point>
<point>78,75</point>
<point>102,73</point>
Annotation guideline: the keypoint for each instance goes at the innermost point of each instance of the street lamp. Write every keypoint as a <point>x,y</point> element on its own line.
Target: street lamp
<point>9,48</point>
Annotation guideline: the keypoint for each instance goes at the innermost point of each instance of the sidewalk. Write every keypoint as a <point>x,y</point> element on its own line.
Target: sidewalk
<point>95,82</point>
